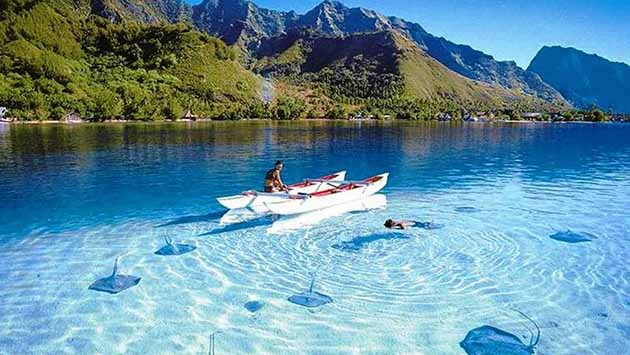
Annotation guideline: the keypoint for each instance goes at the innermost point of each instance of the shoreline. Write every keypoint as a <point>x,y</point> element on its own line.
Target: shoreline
<point>83,123</point>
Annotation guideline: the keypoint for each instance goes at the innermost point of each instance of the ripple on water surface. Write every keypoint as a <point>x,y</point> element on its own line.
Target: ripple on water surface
<point>412,291</point>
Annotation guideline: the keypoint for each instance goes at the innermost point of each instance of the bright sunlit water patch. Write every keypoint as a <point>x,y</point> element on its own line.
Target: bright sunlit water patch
<point>75,198</point>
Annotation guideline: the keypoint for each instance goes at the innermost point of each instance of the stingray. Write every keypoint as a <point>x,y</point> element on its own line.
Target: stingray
<point>572,237</point>
<point>253,306</point>
<point>175,249</point>
<point>311,299</point>
<point>466,209</point>
<point>488,340</point>
<point>115,283</point>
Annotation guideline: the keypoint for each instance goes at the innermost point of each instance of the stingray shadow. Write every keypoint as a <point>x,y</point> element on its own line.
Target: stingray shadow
<point>115,283</point>
<point>311,298</point>
<point>174,249</point>
<point>573,237</point>
<point>358,243</point>
<point>253,223</point>
<point>254,306</point>
<point>490,340</point>
<point>210,217</point>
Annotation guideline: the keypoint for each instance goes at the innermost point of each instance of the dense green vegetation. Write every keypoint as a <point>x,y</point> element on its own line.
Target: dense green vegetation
<point>591,115</point>
<point>58,58</point>
<point>359,67</point>
<point>53,62</point>
<point>380,74</point>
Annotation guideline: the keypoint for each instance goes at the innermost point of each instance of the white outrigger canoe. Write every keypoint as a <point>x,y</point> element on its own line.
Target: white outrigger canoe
<point>348,192</point>
<point>306,220</point>
<point>256,200</point>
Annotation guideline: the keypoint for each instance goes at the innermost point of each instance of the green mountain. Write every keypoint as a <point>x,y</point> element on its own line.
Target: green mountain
<point>383,71</point>
<point>372,65</point>
<point>60,56</point>
<point>242,22</point>
<point>147,60</point>
<point>585,79</point>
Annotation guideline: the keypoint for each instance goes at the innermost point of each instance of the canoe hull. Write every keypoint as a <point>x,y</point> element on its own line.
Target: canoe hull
<point>315,203</point>
<point>257,201</point>
<point>293,223</point>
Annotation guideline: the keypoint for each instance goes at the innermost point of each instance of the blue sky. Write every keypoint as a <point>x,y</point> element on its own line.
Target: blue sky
<point>509,30</point>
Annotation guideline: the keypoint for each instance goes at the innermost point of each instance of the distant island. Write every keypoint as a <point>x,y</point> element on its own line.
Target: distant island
<point>158,60</point>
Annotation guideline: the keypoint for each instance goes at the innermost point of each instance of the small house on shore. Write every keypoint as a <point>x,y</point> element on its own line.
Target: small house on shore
<point>3,112</point>
<point>71,118</point>
<point>531,115</point>
<point>189,116</point>
<point>471,118</point>
<point>360,117</point>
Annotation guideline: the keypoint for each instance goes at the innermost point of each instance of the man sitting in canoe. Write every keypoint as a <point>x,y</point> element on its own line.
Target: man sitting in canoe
<point>273,181</point>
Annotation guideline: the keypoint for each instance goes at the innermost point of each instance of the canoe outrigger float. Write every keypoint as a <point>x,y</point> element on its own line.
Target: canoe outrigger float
<point>309,219</point>
<point>256,200</point>
<point>349,191</point>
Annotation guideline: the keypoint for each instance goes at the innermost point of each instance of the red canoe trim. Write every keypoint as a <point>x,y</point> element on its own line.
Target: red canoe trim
<point>347,187</point>
<point>308,183</point>
<point>372,179</point>
<point>299,185</point>
<point>329,177</point>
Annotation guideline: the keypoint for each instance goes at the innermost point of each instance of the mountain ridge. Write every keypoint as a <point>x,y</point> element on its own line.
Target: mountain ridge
<point>335,18</point>
<point>240,22</point>
<point>146,11</point>
<point>386,60</point>
<point>585,79</point>
<point>331,57</point>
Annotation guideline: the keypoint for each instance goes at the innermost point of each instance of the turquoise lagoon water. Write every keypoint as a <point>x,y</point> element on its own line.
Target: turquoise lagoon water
<point>74,198</point>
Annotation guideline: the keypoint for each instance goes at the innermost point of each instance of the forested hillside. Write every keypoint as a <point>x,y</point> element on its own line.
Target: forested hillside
<point>57,57</point>
<point>157,59</point>
<point>247,25</point>
<point>385,73</point>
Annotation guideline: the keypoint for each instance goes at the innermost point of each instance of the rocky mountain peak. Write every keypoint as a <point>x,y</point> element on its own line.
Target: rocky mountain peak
<point>146,11</point>
<point>240,21</point>
<point>335,18</point>
<point>243,23</point>
<point>329,5</point>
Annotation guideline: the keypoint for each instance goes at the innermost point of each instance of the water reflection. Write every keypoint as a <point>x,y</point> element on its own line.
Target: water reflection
<point>179,169</point>
<point>537,150</point>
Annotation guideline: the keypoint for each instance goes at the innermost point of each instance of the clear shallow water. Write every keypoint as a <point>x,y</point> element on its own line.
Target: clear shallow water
<point>74,198</point>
